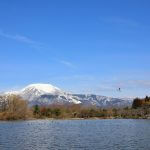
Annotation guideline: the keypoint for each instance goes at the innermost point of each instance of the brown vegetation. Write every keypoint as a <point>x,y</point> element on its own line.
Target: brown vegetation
<point>14,107</point>
<point>77,111</point>
<point>138,103</point>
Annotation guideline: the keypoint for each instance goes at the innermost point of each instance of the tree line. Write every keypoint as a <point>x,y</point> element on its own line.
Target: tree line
<point>144,102</point>
<point>13,107</point>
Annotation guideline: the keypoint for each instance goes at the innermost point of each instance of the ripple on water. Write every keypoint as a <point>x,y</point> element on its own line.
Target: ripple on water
<point>75,135</point>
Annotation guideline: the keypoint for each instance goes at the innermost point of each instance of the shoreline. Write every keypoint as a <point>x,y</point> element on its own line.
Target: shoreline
<point>63,119</point>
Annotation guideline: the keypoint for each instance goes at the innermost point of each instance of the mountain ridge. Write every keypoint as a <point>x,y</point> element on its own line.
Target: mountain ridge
<point>46,94</point>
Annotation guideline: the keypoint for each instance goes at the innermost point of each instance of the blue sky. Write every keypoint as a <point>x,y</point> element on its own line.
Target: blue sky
<point>82,46</point>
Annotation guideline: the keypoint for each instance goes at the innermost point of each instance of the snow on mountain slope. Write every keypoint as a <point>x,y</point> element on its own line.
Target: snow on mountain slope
<point>45,94</point>
<point>11,92</point>
<point>102,101</point>
<point>42,89</point>
<point>35,90</point>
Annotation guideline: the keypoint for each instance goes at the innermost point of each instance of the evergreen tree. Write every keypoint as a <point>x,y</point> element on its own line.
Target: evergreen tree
<point>36,109</point>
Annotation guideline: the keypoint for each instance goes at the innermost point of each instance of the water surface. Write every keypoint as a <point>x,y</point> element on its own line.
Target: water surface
<point>75,135</point>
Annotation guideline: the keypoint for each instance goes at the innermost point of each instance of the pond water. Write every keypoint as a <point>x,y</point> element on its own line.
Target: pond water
<point>75,135</point>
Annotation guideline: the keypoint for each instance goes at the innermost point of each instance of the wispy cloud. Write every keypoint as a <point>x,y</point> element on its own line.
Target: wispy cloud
<point>124,84</point>
<point>80,78</point>
<point>133,84</point>
<point>21,38</point>
<point>67,64</point>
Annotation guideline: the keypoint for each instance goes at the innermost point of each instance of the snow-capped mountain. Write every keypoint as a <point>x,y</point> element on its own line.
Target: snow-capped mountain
<point>45,94</point>
<point>35,90</point>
